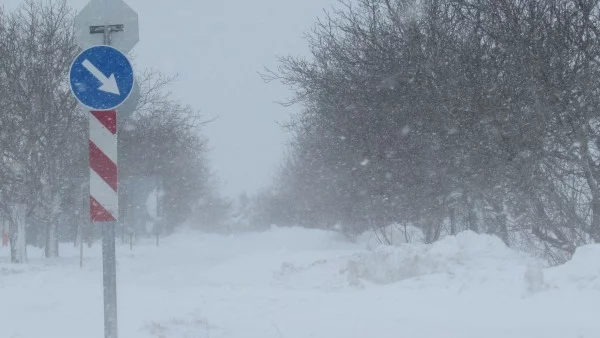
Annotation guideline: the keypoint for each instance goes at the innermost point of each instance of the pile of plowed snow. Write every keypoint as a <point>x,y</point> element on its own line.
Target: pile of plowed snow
<point>462,263</point>
<point>479,257</point>
<point>465,261</point>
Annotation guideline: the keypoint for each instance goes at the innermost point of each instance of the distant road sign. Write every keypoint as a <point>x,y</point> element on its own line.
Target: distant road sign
<point>114,15</point>
<point>101,78</point>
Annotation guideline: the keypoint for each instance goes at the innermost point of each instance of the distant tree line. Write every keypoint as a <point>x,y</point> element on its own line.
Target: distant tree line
<point>447,115</point>
<point>44,171</point>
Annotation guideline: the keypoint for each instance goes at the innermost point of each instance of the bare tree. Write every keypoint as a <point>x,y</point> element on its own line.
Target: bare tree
<point>43,120</point>
<point>450,115</point>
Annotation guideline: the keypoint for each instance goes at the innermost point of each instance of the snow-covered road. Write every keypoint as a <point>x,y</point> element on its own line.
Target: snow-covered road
<point>297,283</point>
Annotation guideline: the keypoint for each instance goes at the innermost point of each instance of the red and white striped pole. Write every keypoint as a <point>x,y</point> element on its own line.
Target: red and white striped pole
<point>104,198</point>
<point>104,204</point>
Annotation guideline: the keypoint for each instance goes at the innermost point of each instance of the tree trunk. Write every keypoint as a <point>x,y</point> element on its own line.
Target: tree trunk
<point>591,178</point>
<point>452,221</point>
<point>595,231</point>
<point>17,226</point>
<point>472,216</point>
<point>501,220</point>
<point>51,250</point>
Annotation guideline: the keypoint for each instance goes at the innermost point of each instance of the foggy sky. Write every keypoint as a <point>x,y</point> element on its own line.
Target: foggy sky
<point>218,48</point>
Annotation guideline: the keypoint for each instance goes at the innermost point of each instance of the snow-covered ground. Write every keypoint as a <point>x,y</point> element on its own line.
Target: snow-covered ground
<point>297,283</point>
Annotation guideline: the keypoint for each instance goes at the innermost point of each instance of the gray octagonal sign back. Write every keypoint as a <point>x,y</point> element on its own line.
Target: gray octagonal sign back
<point>107,13</point>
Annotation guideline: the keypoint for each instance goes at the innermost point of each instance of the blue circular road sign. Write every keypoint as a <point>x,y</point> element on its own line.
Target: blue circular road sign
<point>101,78</point>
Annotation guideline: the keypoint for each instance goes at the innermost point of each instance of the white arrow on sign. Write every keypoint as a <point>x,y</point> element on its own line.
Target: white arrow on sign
<point>109,84</point>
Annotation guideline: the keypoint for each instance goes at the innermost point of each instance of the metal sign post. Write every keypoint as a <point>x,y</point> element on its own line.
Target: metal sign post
<point>102,79</point>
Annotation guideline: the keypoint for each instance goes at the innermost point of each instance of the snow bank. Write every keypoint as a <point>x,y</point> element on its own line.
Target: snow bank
<point>466,262</point>
<point>466,254</point>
